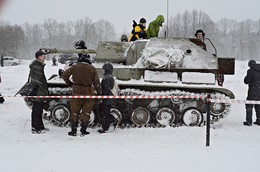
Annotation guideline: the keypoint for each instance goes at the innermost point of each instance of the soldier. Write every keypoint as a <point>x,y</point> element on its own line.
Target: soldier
<point>107,85</point>
<point>84,77</point>
<point>253,80</point>
<point>80,44</point>
<point>38,79</point>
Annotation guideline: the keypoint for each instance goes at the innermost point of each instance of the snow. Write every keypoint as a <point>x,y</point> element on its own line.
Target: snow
<point>234,147</point>
<point>160,76</point>
<point>175,53</point>
<point>195,77</point>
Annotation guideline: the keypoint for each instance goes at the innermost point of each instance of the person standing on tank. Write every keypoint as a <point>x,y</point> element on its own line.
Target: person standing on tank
<point>84,79</point>
<point>139,31</point>
<point>252,79</point>
<point>154,27</point>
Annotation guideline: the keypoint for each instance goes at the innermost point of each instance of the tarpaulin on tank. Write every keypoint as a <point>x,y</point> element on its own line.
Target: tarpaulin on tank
<point>175,53</point>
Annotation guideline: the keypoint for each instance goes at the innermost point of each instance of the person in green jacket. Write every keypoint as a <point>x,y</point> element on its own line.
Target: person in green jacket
<point>154,27</point>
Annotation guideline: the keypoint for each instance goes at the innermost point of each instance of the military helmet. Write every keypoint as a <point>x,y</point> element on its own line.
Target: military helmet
<point>84,58</point>
<point>80,44</point>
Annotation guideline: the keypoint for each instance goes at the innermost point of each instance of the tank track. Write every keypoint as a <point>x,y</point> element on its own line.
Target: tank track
<point>148,112</point>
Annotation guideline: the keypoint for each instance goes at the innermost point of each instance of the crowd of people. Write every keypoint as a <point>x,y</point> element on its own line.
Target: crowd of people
<point>84,80</point>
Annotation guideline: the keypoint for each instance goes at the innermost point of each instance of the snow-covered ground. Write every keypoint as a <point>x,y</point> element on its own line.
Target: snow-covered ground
<point>234,147</point>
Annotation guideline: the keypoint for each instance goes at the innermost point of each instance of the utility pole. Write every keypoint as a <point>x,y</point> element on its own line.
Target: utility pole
<point>167,29</point>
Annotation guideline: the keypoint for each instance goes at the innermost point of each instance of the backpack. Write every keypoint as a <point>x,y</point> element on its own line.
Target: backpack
<point>134,24</point>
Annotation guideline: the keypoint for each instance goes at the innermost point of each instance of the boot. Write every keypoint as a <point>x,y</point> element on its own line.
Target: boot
<point>83,129</point>
<point>247,123</point>
<point>257,122</point>
<point>102,131</point>
<point>73,131</point>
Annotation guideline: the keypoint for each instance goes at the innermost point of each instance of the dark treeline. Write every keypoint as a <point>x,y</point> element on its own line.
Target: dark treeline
<point>22,41</point>
<point>231,38</point>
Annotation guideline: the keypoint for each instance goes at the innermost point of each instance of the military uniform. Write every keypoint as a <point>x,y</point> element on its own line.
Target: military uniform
<point>85,81</point>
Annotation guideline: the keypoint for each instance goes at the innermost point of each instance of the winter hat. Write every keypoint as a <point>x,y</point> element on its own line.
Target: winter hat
<point>108,68</point>
<point>251,63</point>
<point>142,20</point>
<point>39,53</point>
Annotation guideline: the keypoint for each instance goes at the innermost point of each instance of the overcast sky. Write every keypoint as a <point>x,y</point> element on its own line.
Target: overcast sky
<point>122,12</point>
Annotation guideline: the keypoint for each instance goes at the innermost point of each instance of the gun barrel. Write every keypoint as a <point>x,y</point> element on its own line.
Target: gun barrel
<point>54,51</point>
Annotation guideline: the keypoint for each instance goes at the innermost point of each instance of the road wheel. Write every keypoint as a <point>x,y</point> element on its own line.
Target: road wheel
<point>60,114</point>
<point>216,109</point>
<point>165,116</point>
<point>117,114</point>
<point>192,117</point>
<point>140,116</point>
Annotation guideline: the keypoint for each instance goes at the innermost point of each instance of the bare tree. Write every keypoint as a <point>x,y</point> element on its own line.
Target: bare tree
<point>12,37</point>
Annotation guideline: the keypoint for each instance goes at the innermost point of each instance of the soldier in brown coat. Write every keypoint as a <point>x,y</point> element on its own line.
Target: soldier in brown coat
<point>84,79</point>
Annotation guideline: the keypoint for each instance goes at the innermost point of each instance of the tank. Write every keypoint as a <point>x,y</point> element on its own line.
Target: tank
<point>160,66</point>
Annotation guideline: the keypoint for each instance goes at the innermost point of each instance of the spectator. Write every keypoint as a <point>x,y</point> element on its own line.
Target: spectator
<point>2,61</point>
<point>84,77</point>
<point>253,80</point>
<point>107,85</point>
<point>38,79</point>
<point>1,98</point>
<point>154,27</point>
<point>139,31</point>
<point>54,61</point>
<point>124,38</point>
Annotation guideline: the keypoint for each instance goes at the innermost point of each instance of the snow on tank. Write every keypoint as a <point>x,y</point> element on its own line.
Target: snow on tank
<point>175,53</point>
